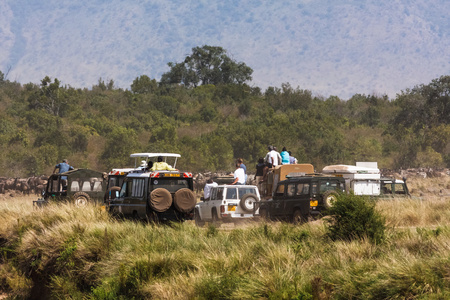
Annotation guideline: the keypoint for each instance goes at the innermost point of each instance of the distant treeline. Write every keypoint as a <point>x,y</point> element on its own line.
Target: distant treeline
<point>211,125</point>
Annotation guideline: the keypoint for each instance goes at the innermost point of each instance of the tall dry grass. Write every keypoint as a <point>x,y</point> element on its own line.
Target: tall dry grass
<point>67,252</point>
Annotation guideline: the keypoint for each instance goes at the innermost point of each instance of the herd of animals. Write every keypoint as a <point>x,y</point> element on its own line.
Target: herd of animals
<point>35,184</point>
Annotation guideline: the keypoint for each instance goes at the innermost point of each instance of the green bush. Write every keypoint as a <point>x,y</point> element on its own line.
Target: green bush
<point>354,217</point>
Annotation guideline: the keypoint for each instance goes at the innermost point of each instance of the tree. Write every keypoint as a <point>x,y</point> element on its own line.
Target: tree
<point>207,65</point>
<point>144,85</point>
<point>50,97</point>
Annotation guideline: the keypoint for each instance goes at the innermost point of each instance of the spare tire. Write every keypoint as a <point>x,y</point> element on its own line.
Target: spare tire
<point>160,200</point>
<point>184,200</point>
<point>247,201</point>
<point>329,197</point>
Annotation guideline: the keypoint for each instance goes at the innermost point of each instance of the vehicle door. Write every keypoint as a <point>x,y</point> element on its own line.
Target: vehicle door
<point>134,200</point>
<point>302,198</point>
<point>206,208</point>
<point>277,205</point>
<point>290,199</point>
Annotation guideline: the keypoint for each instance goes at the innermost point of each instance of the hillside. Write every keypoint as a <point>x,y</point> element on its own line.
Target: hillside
<point>331,48</point>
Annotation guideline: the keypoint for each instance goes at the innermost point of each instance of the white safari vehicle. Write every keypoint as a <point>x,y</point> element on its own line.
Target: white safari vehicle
<point>227,203</point>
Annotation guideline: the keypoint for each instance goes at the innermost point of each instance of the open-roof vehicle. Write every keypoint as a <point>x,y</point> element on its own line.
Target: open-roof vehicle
<point>159,195</point>
<point>80,186</point>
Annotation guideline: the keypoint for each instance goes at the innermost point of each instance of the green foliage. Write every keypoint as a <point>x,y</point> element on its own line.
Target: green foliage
<point>354,217</point>
<point>120,143</point>
<point>144,85</point>
<point>224,118</point>
<point>207,65</point>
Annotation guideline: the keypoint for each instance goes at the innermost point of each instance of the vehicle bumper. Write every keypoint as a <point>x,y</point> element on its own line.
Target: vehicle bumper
<point>41,202</point>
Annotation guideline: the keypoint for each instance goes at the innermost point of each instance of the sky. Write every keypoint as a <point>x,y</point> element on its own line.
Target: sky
<point>332,48</point>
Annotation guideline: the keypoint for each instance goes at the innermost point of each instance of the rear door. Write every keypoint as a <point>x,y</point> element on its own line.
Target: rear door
<point>134,197</point>
<point>278,205</point>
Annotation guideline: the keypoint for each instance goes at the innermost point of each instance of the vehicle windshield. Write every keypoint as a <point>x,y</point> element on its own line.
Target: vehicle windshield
<point>171,184</point>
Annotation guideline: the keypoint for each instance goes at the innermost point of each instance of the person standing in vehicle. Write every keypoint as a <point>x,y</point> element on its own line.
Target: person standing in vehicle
<point>260,173</point>
<point>240,161</point>
<point>239,175</point>
<point>271,157</point>
<point>285,157</point>
<point>278,160</point>
<point>63,167</point>
<point>207,189</point>
<point>292,160</point>
<point>161,165</point>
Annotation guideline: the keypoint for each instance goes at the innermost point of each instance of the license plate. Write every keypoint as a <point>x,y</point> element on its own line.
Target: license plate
<point>232,208</point>
<point>172,175</point>
<point>313,203</point>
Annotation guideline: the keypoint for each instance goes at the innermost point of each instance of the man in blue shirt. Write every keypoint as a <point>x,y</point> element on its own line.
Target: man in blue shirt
<point>63,167</point>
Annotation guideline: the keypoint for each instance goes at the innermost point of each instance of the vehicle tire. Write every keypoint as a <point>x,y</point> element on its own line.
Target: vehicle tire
<point>297,217</point>
<point>160,200</point>
<point>113,191</point>
<point>184,200</point>
<point>215,218</point>
<point>197,219</point>
<point>81,199</point>
<point>329,197</point>
<point>247,201</point>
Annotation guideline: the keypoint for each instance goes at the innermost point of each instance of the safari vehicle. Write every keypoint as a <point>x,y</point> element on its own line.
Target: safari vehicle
<point>391,187</point>
<point>299,197</point>
<point>279,173</point>
<point>117,175</point>
<point>365,179</point>
<point>227,203</point>
<point>80,186</point>
<point>157,196</point>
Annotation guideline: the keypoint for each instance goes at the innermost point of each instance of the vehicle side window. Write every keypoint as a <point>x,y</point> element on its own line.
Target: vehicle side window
<point>328,185</point>
<point>399,188</point>
<point>245,191</point>
<point>231,193</point>
<point>212,195</point>
<point>303,189</point>
<point>137,188</point>
<point>280,190</point>
<point>386,188</point>
<point>75,186</point>
<point>291,189</point>
<point>123,190</point>
<point>219,194</point>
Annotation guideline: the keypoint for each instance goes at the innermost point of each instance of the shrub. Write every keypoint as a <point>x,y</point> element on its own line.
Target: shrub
<point>354,217</point>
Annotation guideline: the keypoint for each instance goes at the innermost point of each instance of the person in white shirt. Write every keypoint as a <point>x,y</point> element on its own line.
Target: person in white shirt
<point>239,175</point>
<point>272,157</point>
<point>207,189</point>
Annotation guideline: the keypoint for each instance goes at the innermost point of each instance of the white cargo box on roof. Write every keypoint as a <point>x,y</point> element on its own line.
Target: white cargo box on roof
<point>363,179</point>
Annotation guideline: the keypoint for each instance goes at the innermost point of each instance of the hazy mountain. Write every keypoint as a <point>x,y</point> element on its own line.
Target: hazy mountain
<point>339,47</point>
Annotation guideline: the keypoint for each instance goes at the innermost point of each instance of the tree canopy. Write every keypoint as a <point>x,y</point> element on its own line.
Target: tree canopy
<point>213,123</point>
<point>207,65</point>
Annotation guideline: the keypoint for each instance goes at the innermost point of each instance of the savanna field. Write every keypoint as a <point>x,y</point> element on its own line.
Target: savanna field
<point>66,252</point>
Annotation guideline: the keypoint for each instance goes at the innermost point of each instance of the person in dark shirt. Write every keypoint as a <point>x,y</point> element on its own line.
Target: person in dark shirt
<point>260,173</point>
